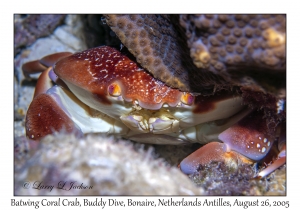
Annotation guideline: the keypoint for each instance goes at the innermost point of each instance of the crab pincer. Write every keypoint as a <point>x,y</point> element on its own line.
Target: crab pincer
<point>246,141</point>
<point>46,113</point>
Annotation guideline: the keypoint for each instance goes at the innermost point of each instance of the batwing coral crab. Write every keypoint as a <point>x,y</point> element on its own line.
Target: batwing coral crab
<point>101,90</point>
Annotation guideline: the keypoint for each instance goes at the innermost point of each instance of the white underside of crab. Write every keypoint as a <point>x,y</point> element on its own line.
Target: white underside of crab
<point>168,125</point>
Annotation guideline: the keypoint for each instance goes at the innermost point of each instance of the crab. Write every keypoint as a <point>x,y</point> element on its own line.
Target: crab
<point>101,90</point>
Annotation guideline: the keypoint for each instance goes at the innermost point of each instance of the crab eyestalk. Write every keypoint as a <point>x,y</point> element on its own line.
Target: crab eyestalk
<point>187,98</point>
<point>114,89</point>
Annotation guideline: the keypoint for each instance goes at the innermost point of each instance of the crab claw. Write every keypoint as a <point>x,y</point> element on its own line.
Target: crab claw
<point>281,159</point>
<point>245,140</point>
<point>45,115</point>
<point>248,137</point>
<point>214,151</point>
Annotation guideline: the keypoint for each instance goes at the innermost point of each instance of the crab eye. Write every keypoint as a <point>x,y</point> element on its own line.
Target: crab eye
<point>187,98</point>
<point>114,89</point>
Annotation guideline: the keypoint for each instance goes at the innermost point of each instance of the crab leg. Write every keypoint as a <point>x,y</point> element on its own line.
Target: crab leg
<point>41,65</point>
<point>32,67</point>
<point>247,137</point>
<point>281,159</point>
<point>43,83</point>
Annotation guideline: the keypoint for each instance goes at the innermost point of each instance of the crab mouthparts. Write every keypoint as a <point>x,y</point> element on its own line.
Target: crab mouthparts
<point>149,121</point>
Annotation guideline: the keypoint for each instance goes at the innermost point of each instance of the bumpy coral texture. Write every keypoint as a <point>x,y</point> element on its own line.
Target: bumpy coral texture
<point>238,45</point>
<point>158,45</point>
<point>219,42</point>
